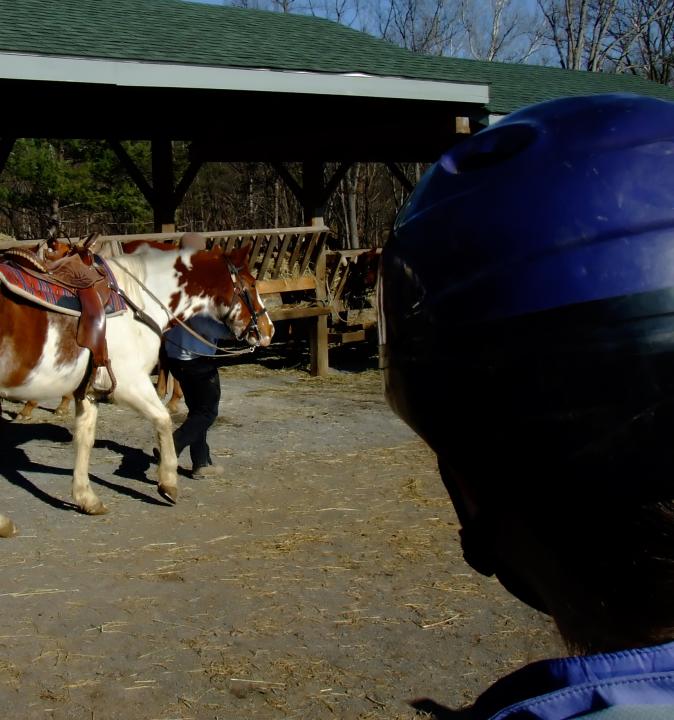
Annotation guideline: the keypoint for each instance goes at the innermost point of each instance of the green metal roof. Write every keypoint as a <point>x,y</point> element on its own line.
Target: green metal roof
<point>189,33</point>
<point>514,85</point>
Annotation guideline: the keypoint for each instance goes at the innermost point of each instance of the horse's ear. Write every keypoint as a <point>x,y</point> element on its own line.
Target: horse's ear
<point>241,256</point>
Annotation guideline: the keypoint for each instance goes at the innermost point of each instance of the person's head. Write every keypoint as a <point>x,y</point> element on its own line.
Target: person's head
<point>193,241</point>
<point>527,334</point>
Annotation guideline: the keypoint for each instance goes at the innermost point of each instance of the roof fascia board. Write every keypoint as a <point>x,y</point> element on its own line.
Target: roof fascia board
<point>19,66</point>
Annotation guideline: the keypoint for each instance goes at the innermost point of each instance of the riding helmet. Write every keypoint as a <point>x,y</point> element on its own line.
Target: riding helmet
<point>526,296</point>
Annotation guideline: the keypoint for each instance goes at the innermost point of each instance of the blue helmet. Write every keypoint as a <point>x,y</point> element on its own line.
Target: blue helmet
<point>527,290</point>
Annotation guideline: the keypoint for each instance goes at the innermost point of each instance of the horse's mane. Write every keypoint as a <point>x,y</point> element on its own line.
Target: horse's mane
<point>129,268</point>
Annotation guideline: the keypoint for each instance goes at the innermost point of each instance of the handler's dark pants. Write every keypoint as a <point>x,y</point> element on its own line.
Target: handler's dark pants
<point>200,382</point>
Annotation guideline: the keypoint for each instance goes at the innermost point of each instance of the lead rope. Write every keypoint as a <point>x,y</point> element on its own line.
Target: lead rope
<point>141,315</point>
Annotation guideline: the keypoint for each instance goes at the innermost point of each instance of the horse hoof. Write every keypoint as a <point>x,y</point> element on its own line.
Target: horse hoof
<point>168,493</point>
<point>22,418</point>
<point>7,527</point>
<point>98,509</point>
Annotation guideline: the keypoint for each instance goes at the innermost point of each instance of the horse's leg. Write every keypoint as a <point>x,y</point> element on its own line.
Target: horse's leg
<point>84,434</point>
<point>162,381</point>
<point>64,406</point>
<point>26,411</point>
<point>143,398</point>
<point>7,527</point>
<point>176,397</point>
<point>162,372</point>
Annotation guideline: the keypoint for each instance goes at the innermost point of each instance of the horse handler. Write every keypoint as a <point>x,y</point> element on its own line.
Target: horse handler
<point>193,364</point>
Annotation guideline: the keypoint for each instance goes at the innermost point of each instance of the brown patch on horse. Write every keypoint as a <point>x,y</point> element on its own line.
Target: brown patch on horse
<point>209,274</point>
<point>173,302</point>
<point>24,326</point>
<point>67,350</point>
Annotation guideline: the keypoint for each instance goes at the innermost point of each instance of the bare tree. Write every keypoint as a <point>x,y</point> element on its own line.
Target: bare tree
<point>425,26</point>
<point>607,34</point>
<point>501,30</point>
<point>345,12</point>
<point>652,53</point>
<point>572,24</point>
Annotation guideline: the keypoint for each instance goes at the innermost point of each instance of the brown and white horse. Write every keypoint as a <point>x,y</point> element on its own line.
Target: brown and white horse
<point>40,359</point>
<point>54,249</point>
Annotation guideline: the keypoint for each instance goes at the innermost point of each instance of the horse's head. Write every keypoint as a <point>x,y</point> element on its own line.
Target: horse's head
<point>225,279</point>
<point>251,319</point>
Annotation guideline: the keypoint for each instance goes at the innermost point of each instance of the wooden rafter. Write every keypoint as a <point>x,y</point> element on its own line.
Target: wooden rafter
<point>298,191</point>
<point>171,197</point>
<point>186,180</point>
<point>289,180</point>
<point>133,170</point>
<point>404,180</point>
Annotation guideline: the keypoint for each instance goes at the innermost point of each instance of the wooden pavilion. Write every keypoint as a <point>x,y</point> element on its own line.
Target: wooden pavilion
<point>248,85</point>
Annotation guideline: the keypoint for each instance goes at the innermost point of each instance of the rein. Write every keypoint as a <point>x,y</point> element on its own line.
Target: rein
<point>143,317</point>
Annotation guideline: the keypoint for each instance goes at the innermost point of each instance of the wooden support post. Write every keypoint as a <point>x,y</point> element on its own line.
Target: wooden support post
<point>318,337</point>
<point>164,206</point>
<point>462,126</point>
<point>313,192</point>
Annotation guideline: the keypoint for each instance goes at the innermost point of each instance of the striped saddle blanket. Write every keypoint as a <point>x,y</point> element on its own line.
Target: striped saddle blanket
<point>52,295</point>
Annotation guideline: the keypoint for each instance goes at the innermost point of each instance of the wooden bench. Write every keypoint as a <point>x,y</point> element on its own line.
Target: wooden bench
<point>289,264</point>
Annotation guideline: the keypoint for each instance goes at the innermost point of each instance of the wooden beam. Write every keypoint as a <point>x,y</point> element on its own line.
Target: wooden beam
<point>349,336</point>
<point>336,178</point>
<point>279,285</point>
<point>278,314</point>
<point>134,171</point>
<point>402,178</point>
<point>289,180</point>
<point>186,181</point>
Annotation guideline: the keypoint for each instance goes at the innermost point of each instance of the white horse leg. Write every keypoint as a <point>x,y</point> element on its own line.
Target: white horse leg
<point>143,398</point>
<point>7,527</point>
<point>84,435</point>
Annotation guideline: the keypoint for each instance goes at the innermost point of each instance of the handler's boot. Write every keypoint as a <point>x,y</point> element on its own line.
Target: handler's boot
<point>206,472</point>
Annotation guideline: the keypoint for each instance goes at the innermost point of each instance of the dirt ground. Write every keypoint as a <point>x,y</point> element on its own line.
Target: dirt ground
<point>320,578</point>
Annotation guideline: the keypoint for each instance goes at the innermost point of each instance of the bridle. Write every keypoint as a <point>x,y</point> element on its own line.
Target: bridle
<point>242,291</point>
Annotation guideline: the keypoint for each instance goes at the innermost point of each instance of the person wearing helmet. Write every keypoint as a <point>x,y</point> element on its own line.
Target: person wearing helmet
<point>526,302</point>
